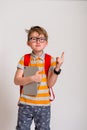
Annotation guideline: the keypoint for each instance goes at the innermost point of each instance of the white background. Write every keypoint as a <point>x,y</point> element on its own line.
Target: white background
<point>66,24</point>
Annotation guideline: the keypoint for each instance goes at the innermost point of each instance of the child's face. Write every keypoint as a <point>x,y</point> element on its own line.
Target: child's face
<point>37,42</point>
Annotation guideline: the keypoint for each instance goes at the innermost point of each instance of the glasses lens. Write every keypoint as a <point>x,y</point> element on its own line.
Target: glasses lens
<point>42,39</point>
<point>32,39</point>
<point>35,39</point>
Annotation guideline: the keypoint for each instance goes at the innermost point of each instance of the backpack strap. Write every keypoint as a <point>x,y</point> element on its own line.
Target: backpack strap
<point>47,66</point>
<point>47,63</point>
<point>26,59</point>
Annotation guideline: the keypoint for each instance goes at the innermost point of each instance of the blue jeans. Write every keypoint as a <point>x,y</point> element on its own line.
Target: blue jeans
<point>28,113</point>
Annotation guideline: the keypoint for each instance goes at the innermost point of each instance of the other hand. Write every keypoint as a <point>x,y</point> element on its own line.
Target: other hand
<point>59,61</point>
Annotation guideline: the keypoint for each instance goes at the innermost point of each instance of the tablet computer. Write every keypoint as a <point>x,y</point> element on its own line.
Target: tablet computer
<point>31,88</point>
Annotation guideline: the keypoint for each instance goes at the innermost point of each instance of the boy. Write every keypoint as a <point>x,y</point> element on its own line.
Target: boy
<point>37,107</point>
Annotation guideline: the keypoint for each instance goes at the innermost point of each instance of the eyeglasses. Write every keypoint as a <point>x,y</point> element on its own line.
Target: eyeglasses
<point>35,39</point>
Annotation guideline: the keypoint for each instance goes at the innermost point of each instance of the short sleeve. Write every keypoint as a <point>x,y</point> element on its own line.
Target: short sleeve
<point>21,63</point>
<point>53,63</point>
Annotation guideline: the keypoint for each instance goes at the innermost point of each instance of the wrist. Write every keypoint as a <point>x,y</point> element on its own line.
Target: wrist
<point>57,71</point>
<point>57,68</point>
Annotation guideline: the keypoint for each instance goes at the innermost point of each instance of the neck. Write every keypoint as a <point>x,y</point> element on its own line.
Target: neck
<point>38,53</point>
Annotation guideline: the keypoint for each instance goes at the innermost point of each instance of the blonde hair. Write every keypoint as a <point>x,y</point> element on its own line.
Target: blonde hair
<point>39,30</point>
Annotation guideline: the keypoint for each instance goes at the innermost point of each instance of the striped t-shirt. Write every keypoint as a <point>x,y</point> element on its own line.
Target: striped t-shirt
<point>43,97</point>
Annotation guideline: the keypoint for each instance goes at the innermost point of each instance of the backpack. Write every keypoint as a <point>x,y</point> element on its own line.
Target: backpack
<point>47,65</point>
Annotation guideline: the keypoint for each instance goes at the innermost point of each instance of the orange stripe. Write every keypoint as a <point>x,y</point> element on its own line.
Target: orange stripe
<point>43,95</point>
<point>21,62</point>
<point>42,87</point>
<point>44,80</point>
<point>37,64</point>
<point>35,101</point>
<point>53,63</point>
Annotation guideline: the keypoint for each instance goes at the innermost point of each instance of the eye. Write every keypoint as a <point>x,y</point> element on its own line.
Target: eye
<point>33,38</point>
<point>42,39</point>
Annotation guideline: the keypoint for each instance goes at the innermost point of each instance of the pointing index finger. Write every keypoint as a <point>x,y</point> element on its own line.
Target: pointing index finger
<point>62,55</point>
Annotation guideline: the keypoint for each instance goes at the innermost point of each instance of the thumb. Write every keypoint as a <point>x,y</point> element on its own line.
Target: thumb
<point>38,72</point>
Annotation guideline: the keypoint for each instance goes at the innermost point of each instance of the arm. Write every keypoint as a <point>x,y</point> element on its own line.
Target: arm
<point>52,77</point>
<point>20,80</point>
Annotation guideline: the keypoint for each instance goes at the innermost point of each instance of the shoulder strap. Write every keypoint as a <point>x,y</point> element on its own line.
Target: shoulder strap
<point>26,59</point>
<point>47,63</point>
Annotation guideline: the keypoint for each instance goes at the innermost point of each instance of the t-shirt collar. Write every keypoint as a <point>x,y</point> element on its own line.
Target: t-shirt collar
<point>36,57</point>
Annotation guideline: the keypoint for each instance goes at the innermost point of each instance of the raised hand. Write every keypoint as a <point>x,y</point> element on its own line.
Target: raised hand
<point>59,61</point>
